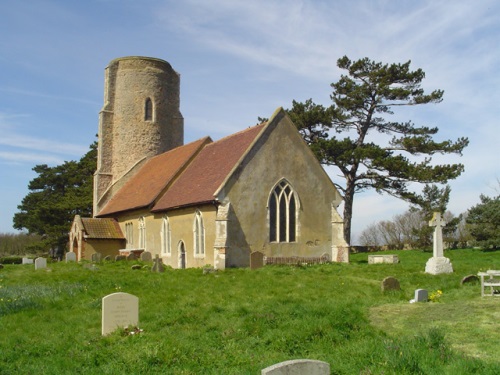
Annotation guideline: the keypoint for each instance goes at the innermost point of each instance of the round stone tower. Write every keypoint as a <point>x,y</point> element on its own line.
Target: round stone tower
<point>140,119</point>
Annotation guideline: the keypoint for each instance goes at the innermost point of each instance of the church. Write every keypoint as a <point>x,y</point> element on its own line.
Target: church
<point>206,202</point>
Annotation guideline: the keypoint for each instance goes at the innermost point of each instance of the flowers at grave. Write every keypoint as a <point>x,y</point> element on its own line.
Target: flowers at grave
<point>435,296</point>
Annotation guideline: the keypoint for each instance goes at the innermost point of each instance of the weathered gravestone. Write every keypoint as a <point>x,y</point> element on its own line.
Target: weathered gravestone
<point>421,295</point>
<point>387,258</point>
<point>131,256</point>
<point>119,310</point>
<point>120,257</point>
<point>27,261</point>
<point>298,367</point>
<point>107,258</point>
<point>256,260</point>
<point>390,283</point>
<point>96,257</point>
<point>469,279</point>
<point>438,263</point>
<point>157,265</point>
<point>146,256</point>
<point>70,256</point>
<point>40,263</point>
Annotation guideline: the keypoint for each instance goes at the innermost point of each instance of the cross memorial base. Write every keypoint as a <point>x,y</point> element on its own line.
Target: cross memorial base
<point>438,265</point>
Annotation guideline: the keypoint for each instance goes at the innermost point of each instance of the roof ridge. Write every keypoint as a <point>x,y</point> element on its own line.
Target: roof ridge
<point>237,133</point>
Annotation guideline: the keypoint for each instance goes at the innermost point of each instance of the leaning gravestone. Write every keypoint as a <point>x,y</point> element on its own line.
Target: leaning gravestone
<point>146,256</point>
<point>157,265</point>
<point>438,263</point>
<point>298,367</point>
<point>390,283</point>
<point>40,263</point>
<point>421,295</point>
<point>70,257</point>
<point>256,260</point>
<point>119,310</point>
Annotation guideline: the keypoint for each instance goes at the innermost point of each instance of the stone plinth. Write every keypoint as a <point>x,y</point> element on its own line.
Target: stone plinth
<point>438,265</point>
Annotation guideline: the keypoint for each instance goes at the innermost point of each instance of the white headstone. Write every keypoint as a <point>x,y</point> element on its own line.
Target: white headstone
<point>421,295</point>
<point>119,310</point>
<point>438,263</point>
<point>40,263</point>
<point>70,257</point>
<point>27,261</point>
<point>298,367</point>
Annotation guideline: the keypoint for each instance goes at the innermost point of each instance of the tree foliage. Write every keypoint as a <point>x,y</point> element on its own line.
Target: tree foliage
<point>362,101</point>
<point>484,222</point>
<point>56,195</point>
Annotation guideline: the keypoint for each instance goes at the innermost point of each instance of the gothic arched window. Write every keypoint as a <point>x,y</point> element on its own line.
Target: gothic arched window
<point>283,210</point>
<point>199,234</point>
<point>148,110</point>
<point>142,233</point>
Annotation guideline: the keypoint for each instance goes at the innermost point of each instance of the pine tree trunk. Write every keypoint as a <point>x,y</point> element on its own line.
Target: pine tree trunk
<point>348,200</point>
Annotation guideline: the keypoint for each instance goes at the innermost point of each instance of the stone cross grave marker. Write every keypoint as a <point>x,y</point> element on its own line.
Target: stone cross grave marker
<point>298,367</point>
<point>119,310</point>
<point>438,263</point>
<point>70,256</point>
<point>40,263</point>
<point>157,265</point>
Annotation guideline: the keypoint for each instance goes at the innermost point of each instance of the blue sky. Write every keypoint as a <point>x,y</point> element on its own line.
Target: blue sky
<point>239,60</point>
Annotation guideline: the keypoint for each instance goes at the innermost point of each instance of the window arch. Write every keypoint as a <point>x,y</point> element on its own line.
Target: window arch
<point>148,110</point>
<point>166,238</point>
<point>283,213</point>
<point>199,235</point>
<point>142,233</point>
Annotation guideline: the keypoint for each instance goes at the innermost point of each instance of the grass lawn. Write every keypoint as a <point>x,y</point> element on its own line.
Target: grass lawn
<point>240,321</point>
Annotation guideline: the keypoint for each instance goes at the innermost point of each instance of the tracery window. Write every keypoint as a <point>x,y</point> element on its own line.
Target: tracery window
<point>166,243</point>
<point>199,235</point>
<point>142,233</point>
<point>283,213</point>
<point>129,235</point>
<point>148,110</point>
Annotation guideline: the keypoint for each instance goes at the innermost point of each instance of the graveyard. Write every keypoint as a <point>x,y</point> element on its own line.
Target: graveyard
<point>54,317</point>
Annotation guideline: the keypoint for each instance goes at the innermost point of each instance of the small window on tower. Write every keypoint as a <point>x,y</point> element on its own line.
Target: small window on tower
<point>148,110</point>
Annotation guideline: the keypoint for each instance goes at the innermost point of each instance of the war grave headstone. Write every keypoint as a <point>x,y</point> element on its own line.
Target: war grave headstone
<point>146,256</point>
<point>438,264</point>
<point>27,261</point>
<point>157,265</point>
<point>256,260</point>
<point>40,263</point>
<point>390,283</point>
<point>119,310</point>
<point>70,256</point>
<point>298,367</point>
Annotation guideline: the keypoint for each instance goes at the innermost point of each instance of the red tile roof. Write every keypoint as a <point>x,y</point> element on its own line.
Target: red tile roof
<point>102,229</point>
<point>201,179</point>
<point>153,177</point>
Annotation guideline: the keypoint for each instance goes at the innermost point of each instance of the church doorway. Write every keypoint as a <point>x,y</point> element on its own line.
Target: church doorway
<point>181,249</point>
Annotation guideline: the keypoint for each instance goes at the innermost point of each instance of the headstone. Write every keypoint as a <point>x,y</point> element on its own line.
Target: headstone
<point>136,267</point>
<point>421,295</point>
<point>131,256</point>
<point>146,256</point>
<point>119,310</point>
<point>70,257</point>
<point>469,279</point>
<point>27,261</point>
<point>298,367</point>
<point>438,263</point>
<point>157,265</point>
<point>120,257</point>
<point>96,257</point>
<point>390,283</point>
<point>40,263</point>
<point>107,258</point>
<point>256,260</point>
